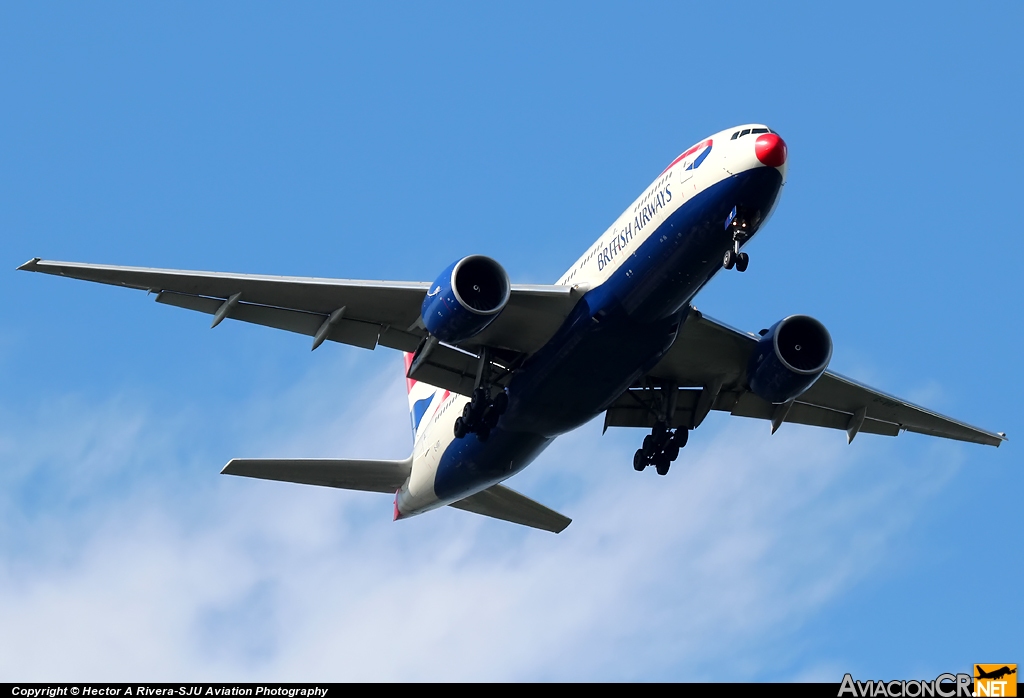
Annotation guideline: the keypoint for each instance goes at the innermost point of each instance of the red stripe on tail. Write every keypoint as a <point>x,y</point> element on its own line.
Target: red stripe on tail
<point>409,382</point>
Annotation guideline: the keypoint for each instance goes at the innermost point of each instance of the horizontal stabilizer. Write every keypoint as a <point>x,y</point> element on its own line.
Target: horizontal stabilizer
<point>500,502</point>
<point>364,475</point>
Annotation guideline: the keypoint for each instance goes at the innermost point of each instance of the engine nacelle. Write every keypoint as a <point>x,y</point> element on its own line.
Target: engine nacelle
<point>789,358</point>
<point>466,298</point>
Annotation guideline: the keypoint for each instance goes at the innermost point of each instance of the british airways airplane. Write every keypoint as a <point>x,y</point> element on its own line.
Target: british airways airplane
<point>496,370</point>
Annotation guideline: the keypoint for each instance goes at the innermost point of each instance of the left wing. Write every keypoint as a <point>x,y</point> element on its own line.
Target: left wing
<point>708,364</point>
<point>360,313</point>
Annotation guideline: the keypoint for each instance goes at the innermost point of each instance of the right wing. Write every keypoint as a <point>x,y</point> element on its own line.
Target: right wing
<point>360,313</point>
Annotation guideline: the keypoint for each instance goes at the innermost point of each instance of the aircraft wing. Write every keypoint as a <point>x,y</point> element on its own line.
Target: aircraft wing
<point>360,313</point>
<point>708,364</point>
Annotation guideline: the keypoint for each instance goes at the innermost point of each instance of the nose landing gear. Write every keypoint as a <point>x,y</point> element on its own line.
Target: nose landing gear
<point>660,448</point>
<point>737,223</point>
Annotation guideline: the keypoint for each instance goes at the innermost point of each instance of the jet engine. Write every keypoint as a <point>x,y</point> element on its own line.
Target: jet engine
<point>791,355</point>
<point>466,298</point>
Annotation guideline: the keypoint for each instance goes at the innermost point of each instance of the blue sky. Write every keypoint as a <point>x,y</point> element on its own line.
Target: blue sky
<point>386,141</point>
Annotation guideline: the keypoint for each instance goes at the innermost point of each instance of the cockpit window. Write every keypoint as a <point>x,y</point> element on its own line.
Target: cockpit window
<point>740,134</point>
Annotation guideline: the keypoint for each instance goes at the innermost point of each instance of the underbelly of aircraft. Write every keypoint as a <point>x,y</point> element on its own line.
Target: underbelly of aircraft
<point>617,332</point>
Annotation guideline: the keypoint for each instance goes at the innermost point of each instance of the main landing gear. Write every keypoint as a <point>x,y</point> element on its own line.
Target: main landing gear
<point>481,414</point>
<point>740,234</point>
<point>660,449</point>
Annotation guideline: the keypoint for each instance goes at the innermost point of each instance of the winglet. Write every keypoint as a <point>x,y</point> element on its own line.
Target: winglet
<point>30,265</point>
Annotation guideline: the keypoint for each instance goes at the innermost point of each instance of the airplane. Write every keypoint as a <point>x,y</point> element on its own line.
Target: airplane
<point>496,371</point>
<point>995,674</point>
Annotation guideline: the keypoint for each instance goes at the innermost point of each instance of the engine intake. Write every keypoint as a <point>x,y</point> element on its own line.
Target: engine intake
<point>466,298</point>
<point>789,358</point>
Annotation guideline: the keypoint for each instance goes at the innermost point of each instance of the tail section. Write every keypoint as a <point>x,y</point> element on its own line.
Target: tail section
<point>499,502</point>
<point>421,396</point>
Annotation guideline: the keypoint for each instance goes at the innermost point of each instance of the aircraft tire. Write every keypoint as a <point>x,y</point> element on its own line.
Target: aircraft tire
<point>639,460</point>
<point>742,260</point>
<point>648,447</point>
<point>460,428</point>
<point>672,451</point>
<point>491,417</point>
<point>467,413</point>
<point>661,464</point>
<point>729,260</point>
<point>501,402</point>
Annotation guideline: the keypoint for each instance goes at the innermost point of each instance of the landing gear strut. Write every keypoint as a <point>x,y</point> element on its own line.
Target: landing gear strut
<point>660,449</point>
<point>482,412</point>
<point>737,223</point>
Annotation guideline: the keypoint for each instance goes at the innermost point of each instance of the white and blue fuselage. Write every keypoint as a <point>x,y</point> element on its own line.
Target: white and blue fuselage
<point>637,281</point>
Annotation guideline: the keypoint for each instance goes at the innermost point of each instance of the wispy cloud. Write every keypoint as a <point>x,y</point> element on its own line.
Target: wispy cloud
<point>142,564</point>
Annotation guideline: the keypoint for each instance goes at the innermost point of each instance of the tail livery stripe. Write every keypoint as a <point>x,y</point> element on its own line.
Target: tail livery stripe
<point>409,382</point>
<point>419,408</point>
<point>420,396</point>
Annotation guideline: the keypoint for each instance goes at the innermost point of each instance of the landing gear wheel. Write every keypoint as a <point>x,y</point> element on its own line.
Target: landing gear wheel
<point>672,451</point>
<point>490,418</point>
<point>460,428</point>
<point>639,460</point>
<point>681,437</point>
<point>649,446</point>
<point>742,260</point>
<point>661,464</point>
<point>467,413</point>
<point>480,396</point>
<point>501,403</point>
<point>729,260</point>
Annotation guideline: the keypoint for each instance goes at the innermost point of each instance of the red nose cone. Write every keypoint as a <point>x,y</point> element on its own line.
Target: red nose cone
<point>771,150</point>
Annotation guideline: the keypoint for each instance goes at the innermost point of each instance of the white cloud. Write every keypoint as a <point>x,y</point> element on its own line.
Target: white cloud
<point>153,568</point>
